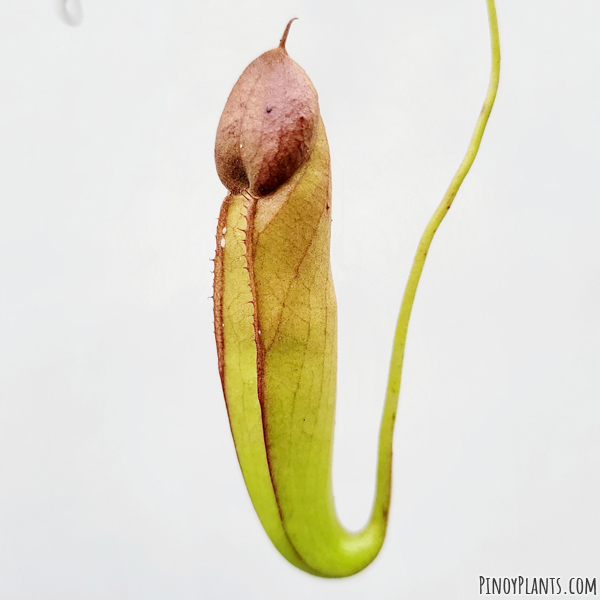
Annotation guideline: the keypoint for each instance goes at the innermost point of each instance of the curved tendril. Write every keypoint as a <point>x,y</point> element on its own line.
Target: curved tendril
<point>395,373</point>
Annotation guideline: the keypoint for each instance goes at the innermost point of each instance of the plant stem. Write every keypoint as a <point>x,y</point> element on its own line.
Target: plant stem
<point>395,374</point>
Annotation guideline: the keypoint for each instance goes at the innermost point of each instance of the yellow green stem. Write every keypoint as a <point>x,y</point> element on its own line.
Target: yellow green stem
<point>395,374</point>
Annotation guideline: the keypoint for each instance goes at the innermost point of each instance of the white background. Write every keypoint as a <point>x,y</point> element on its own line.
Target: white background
<point>118,477</point>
